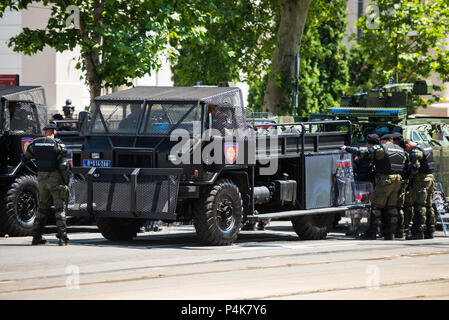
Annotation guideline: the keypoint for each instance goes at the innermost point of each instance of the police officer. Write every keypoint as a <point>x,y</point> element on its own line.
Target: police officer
<point>405,203</point>
<point>131,122</point>
<point>389,164</point>
<point>422,167</point>
<point>18,117</point>
<point>68,109</point>
<point>220,120</point>
<point>49,154</point>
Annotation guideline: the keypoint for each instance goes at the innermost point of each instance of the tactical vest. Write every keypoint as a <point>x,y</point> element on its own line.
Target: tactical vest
<point>45,152</point>
<point>427,162</point>
<point>392,162</point>
<point>364,171</point>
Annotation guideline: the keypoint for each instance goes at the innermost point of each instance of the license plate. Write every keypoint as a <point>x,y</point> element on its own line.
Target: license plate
<point>97,163</point>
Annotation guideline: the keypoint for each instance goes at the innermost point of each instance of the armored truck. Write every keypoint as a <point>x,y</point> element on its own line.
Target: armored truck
<point>23,114</point>
<point>189,153</point>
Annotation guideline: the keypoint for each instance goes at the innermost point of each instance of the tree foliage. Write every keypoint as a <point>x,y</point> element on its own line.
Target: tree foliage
<point>324,71</point>
<point>323,68</point>
<point>233,41</point>
<point>118,40</point>
<point>403,41</point>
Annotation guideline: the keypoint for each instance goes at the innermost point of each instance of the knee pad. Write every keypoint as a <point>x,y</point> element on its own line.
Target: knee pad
<point>393,215</point>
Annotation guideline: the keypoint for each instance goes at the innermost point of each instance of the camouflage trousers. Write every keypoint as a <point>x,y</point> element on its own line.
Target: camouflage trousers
<point>422,188</point>
<point>50,189</point>
<point>384,200</point>
<point>405,207</point>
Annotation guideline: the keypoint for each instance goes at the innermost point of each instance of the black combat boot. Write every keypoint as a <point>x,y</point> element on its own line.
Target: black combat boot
<point>407,233</point>
<point>430,230</point>
<point>370,234</point>
<point>399,234</point>
<point>391,229</point>
<point>62,236</point>
<point>249,226</point>
<point>38,239</point>
<point>388,236</point>
<point>63,240</point>
<point>38,229</point>
<point>416,235</point>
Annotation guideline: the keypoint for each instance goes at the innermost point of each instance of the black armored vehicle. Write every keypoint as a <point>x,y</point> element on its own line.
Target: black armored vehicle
<point>23,114</point>
<point>22,117</point>
<point>188,153</point>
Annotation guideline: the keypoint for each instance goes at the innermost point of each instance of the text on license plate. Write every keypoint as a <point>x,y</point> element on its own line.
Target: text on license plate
<point>97,163</point>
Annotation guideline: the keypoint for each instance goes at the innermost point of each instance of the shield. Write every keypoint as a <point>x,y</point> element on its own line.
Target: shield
<point>25,143</point>
<point>231,151</point>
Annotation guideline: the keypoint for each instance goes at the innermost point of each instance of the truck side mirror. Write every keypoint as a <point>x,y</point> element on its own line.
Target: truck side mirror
<point>83,117</point>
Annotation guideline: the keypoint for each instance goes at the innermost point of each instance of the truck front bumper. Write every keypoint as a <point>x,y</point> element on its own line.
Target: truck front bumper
<point>144,193</point>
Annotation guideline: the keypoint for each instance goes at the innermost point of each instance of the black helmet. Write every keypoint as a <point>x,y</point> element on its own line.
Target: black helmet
<point>398,138</point>
<point>373,138</point>
<point>50,126</point>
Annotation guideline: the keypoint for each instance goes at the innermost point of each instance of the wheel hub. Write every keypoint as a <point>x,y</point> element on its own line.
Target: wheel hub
<point>26,206</point>
<point>225,214</point>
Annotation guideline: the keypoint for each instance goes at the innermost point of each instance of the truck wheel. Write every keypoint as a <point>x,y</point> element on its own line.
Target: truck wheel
<point>19,207</point>
<point>119,229</point>
<point>218,214</point>
<point>312,227</point>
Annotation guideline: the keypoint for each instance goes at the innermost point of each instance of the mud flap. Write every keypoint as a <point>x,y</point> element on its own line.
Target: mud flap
<point>144,193</point>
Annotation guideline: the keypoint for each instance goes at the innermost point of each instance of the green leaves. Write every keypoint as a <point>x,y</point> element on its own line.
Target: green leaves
<point>408,44</point>
<point>323,68</point>
<point>223,41</point>
<point>118,40</point>
<point>404,44</point>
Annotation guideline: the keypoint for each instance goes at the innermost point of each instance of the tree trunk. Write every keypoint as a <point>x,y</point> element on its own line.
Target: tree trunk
<point>91,63</point>
<point>91,57</point>
<point>282,75</point>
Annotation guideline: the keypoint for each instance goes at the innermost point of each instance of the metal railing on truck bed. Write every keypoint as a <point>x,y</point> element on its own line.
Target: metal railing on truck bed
<point>304,138</point>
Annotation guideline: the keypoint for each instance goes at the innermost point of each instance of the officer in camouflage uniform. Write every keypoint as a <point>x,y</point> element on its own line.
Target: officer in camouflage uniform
<point>49,154</point>
<point>422,167</point>
<point>389,164</point>
<point>405,202</point>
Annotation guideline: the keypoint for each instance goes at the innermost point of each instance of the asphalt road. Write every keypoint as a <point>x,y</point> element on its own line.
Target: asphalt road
<point>271,264</point>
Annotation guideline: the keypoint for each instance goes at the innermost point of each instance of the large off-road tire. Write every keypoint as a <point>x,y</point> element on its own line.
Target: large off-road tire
<point>312,227</point>
<point>218,214</point>
<point>19,206</point>
<point>119,229</point>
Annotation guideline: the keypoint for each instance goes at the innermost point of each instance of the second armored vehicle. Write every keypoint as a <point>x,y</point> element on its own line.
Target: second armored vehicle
<point>387,110</point>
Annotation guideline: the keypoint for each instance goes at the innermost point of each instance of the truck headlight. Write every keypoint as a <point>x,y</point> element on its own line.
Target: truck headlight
<point>172,157</point>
